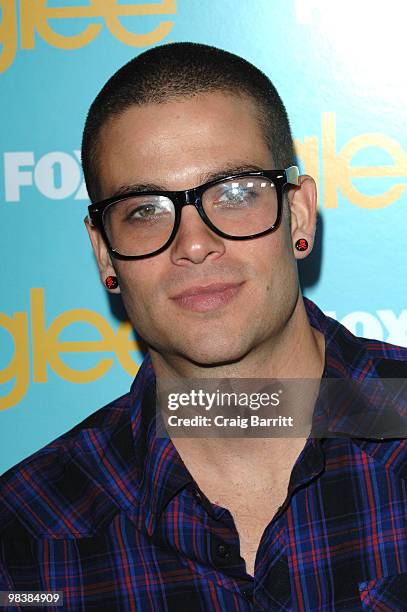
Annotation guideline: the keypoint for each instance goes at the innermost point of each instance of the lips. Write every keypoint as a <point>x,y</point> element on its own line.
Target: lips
<point>208,297</point>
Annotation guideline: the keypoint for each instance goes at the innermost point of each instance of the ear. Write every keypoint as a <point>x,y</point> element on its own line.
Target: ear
<point>303,210</point>
<point>101,253</point>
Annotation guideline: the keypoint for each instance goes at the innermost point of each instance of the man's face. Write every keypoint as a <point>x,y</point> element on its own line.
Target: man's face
<point>205,299</point>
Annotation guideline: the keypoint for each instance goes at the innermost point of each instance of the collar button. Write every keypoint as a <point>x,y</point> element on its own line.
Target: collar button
<point>223,551</point>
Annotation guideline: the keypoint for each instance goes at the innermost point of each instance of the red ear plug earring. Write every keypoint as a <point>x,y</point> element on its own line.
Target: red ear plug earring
<point>301,244</point>
<point>111,282</point>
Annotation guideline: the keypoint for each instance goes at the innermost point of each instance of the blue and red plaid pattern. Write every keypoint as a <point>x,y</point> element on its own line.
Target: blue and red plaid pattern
<point>108,514</point>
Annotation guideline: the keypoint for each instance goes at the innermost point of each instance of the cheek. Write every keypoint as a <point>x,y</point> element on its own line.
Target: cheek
<point>272,254</point>
<point>138,286</point>
<point>275,269</point>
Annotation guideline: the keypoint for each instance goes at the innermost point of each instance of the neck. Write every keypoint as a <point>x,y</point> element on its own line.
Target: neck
<point>296,351</point>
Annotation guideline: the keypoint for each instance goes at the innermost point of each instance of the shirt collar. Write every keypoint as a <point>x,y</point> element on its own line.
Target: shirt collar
<point>164,473</point>
<point>357,360</point>
<point>345,354</point>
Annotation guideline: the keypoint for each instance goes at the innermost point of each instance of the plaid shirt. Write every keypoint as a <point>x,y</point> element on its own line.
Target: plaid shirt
<point>108,514</point>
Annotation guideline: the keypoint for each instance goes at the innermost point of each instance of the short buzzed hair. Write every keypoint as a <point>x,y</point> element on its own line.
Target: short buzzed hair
<point>184,70</point>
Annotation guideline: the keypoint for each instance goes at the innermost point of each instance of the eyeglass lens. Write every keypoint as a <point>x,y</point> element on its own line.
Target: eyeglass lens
<point>238,207</point>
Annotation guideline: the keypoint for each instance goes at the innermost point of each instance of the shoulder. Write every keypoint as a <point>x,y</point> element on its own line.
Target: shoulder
<point>386,360</point>
<point>390,360</point>
<point>40,495</point>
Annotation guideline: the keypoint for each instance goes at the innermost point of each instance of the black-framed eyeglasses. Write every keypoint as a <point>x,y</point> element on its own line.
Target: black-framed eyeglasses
<point>241,206</point>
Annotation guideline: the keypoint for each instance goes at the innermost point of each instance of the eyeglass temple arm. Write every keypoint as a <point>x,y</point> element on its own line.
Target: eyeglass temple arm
<point>88,221</point>
<point>292,175</point>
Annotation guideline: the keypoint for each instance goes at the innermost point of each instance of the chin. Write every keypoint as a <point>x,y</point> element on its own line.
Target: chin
<point>213,356</point>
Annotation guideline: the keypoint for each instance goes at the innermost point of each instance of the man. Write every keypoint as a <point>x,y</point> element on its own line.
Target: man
<point>198,220</point>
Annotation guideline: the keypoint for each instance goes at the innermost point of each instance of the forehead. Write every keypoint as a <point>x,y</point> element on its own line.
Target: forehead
<point>177,142</point>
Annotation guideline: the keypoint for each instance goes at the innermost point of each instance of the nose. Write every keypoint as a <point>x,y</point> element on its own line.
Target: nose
<point>195,242</point>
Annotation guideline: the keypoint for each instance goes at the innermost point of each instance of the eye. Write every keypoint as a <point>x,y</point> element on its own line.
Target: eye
<point>143,209</point>
<point>236,194</point>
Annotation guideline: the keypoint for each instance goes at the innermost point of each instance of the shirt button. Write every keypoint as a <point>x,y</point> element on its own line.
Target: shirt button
<point>196,494</point>
<point>222,550</point>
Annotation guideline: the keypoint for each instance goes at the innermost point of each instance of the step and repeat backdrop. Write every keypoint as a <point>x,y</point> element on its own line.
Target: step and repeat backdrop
<point>65,348</point>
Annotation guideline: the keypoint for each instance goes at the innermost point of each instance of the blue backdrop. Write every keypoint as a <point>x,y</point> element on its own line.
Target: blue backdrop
<point>339,67</point>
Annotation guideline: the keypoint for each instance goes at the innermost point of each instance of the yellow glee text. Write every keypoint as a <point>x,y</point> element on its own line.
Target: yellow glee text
<point>338,171</point>
<point>35,15</point>
<point>47,347</point>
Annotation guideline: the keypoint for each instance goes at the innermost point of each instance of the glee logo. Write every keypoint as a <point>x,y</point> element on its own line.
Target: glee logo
<point>339,171</point>
<point>38,346</point>
<point>33,18</point>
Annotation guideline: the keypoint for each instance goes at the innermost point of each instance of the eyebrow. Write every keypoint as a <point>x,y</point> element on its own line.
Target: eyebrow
<point>212,175</point>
